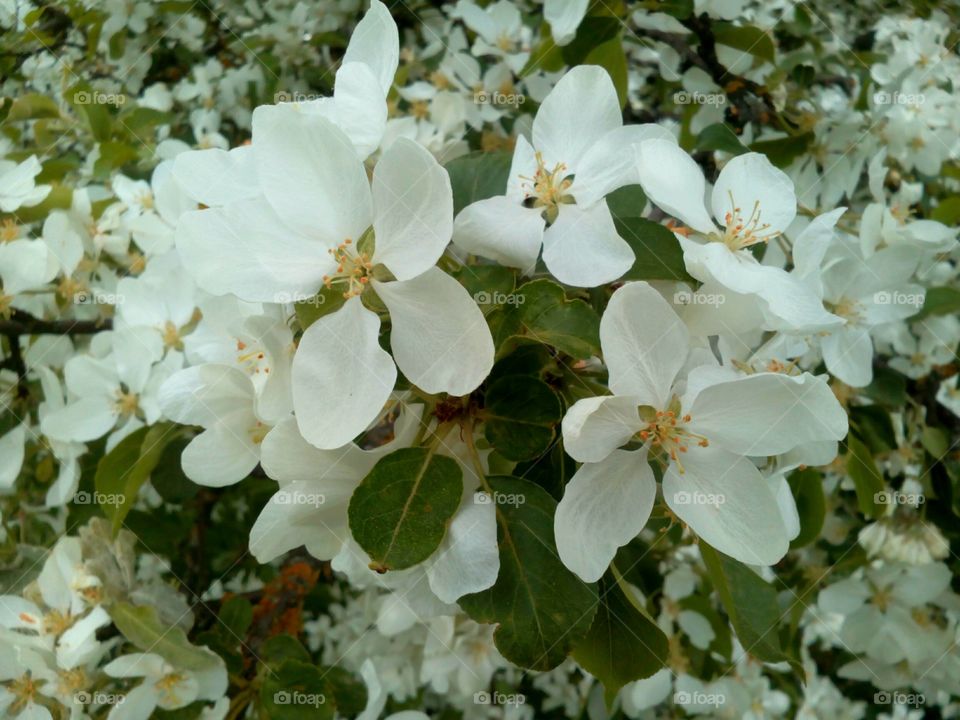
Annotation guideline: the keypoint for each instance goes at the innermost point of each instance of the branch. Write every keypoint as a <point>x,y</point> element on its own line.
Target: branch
<point>21,323</point>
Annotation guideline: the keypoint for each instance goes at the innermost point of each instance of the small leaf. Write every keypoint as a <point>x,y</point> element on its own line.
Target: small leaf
<point>783,151</point>
<point>807,488</point>
<point>867,479</point>
<point>235,616</point>
<point>478,176</point>
<point>142,627</point>
<point>122,471</point>
<point>940,301</point>
<point>623,644</point>
<point>279,648</point>
<point>628,201</point>
<point>751,605</point>
<point>947,211</point>
<point>747,38</point>
<point>719,136</point>
<point>326,301</point>
<point>521,415</point>
<point>657,250</point>
<point>612,58</point>
<point>541,608</point>
<point>349,692</point>
<point>296,690</point>
<point>399,512</point>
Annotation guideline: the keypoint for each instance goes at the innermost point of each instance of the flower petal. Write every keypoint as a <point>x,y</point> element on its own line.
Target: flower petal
<point>604,507</point>
<point>564,17</point>
<point>375,42</point>
<point>413,209</point>
<point>468,559</point>
<point>360,107</point>
<point>725,500</point>
<point>752,184</point>
<point>439,336</point>
<point>644,344</point>
<point>595,427</point>
<point>501,229</point>
<point>674,182</point>
<point>216,177</point>
<point>341,376</point>
<point>582,248</point>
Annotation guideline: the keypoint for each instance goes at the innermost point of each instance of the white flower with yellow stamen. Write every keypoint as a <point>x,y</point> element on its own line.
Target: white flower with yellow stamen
<point>754,203</point>
<point>556,188</point>
<point>702,428</point>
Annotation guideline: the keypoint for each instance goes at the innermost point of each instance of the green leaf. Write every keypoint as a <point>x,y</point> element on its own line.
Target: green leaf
<point>592,32</point>
<point>399,512</point>
<point>623,643</point>
<point>521,416</point>
<point>279,648</point>
<point>168,478</point>
<point>866,477</point>
<point>628,201</point>
<point>611,57</point>
<point>719,136</point>
<point>807,488</point>
<point>936,442</point>
<point>872,424</point>
<point>940,301</point>
<point>783,151</point>
<point>541,608</point>
<point>478,176</point>
<point>680,9</point>
<point>490,286</point>
<point>349,692</point>
<point>32,106</point>
<point>657,250</point>
<point>122,471</point>
<point>542,313</point>
<point>142,627</point>
<point>747,38</point>
<point>326,301</point>
<point>751,605</point>
<point>296,690</point>
<point>889,388</point>
<point>90,105</point>
<point>236,615</point>
<point>947,211</point>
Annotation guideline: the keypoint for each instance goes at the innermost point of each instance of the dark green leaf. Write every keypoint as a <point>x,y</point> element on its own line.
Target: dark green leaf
<point>658,253</point>
<point>541,609</point>
<point>747,38</point>
<point>940,301</point>
<point>783,151</point>
<point>143,628</point>
<point>296,691</point>
<point>866,477</point>
<point>720,137</point>
<point>279,648</point>
<point>521,416</point>
<point>623,643</point>
<point>807,488</point>
<point>399,512</point>
<point>478,176</point>
<point>628,201</point>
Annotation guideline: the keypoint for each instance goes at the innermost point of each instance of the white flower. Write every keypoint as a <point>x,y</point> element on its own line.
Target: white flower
<point>556,189</point>
<point>564,17</point>
<point>17,184</point>
<point>754,203</point>
<point>163,686</point>
<point>703,432</point>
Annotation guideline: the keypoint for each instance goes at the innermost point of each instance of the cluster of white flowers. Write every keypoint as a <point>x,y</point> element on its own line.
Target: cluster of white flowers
<point>269,255</point>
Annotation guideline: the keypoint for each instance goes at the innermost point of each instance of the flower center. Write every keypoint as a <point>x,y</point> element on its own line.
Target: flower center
<point>126,403</point>
<point>849,310</point>
<point>252,359</point>
<point>668,432</point>
<point>548,188</point>
<point>167,685</point>
<point>171,336</point>
<point>353,269</point>
<point>743,232</point>
<point>9,231</point>
<point>24,689</point>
